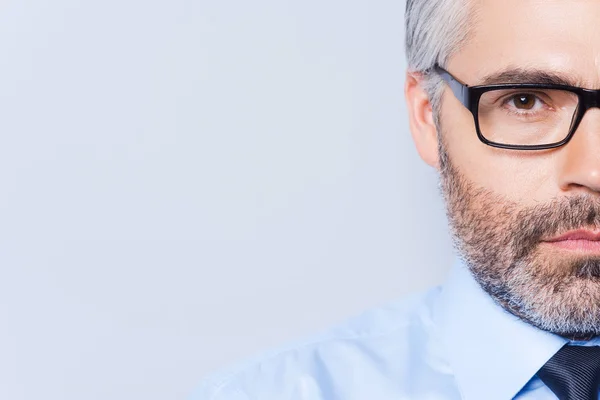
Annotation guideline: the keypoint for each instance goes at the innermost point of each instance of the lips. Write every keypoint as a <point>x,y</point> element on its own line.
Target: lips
<point>581,234</point>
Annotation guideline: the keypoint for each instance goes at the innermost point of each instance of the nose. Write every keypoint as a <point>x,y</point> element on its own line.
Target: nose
<point>579,160</point>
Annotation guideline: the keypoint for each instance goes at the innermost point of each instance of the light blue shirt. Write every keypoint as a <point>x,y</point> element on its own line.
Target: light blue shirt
<point>450,342</point>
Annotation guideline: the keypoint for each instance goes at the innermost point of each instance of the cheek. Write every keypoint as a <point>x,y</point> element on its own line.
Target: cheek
<point>521,176</point>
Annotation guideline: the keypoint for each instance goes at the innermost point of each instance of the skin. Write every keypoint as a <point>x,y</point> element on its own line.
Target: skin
<point>502,204</point>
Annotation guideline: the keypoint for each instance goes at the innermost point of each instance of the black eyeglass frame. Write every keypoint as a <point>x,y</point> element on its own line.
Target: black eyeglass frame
<point>469,96</point>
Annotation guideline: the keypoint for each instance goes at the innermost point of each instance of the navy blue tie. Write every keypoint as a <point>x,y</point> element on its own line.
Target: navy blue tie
<point>573,373</point>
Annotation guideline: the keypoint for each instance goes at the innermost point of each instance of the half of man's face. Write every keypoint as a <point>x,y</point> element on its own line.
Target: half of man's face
<point>506,207</point>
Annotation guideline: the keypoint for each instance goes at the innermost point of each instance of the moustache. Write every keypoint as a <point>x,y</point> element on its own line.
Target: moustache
<point>544,221</point>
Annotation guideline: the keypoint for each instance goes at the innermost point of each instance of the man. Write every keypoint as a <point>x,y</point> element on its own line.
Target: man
<point>501,102</point>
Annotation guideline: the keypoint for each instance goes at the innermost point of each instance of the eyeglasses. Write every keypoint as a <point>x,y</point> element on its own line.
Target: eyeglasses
<point>527,116</point>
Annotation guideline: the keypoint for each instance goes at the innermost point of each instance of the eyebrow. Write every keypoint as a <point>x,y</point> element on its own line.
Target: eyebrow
<point>522,75</point>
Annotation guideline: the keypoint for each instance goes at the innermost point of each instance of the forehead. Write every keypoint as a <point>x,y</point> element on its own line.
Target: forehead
<point>561,36</point>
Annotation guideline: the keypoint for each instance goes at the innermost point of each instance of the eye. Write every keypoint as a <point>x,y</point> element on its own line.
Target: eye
<point>523,101</point>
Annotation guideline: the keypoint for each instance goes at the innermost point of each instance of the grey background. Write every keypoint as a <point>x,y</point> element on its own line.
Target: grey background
<point>185,183</point>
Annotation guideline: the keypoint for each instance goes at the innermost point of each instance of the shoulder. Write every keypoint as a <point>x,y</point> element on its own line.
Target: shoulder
<point>379,338</point>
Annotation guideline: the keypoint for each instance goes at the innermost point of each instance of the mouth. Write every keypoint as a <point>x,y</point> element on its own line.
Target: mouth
<point>581,240</point>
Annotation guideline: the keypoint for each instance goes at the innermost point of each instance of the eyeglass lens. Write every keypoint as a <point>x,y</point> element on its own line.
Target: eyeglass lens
<point>526,116</point>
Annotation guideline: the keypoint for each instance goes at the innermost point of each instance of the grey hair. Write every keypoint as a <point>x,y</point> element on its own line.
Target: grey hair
<point>435,29</point>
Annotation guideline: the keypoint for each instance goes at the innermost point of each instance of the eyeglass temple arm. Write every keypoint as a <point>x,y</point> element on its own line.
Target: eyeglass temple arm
<point>460,90</point>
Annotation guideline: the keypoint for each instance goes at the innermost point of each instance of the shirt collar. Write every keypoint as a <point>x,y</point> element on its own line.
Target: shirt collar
<point>492,352</point>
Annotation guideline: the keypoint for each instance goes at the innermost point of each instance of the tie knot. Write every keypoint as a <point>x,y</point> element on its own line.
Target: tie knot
<point>573,372</point>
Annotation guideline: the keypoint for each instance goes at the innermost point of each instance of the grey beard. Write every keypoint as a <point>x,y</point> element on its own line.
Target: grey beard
<point>499,241</point>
